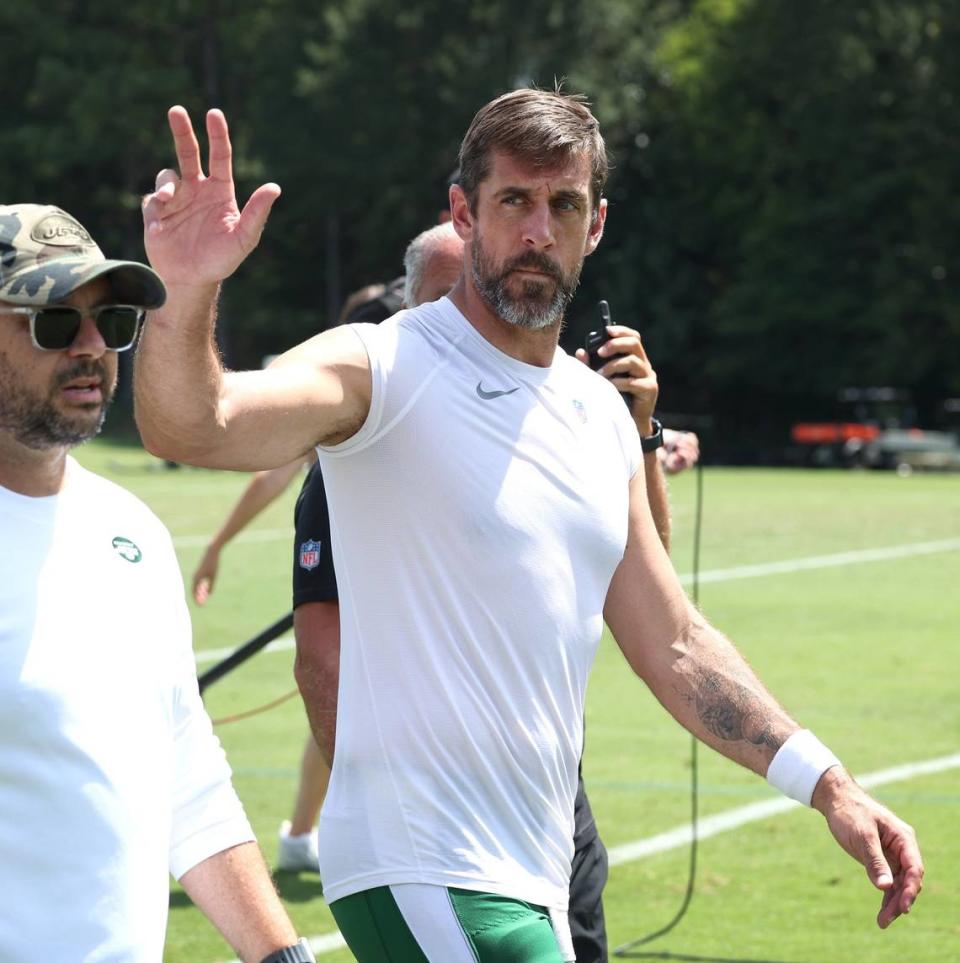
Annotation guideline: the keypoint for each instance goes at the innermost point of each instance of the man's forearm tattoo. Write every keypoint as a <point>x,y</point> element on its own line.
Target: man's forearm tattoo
<point>730,711</point>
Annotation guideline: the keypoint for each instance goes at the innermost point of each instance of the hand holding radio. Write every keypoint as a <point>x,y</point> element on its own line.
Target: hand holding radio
<point>617,352</point>
<point>597,338</point>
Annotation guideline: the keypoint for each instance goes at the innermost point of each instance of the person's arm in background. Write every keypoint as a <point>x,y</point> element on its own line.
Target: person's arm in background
<point>316,613</point>
<point>264,488</point>
<point>316,628</point>
<point>627,366</point>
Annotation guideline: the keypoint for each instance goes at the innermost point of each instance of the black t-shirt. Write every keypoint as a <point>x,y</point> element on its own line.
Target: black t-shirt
<point>314,578</point>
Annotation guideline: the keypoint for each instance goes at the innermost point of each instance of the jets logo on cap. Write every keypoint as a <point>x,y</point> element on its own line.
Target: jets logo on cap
<point>60,230</point>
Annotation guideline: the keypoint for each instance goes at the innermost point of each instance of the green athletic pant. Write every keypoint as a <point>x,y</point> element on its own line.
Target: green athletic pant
<point>495,929</point>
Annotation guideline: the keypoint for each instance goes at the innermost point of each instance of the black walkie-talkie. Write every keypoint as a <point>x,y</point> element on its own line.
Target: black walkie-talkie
<point>596,338</point>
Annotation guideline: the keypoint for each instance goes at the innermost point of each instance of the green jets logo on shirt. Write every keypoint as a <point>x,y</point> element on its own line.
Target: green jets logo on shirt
<point>126,549</point>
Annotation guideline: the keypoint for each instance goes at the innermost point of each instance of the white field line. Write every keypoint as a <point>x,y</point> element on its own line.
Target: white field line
<point>283,644</point>
<point>732,818</point>
<point>712,826</point>
<point>711,575</point>
<point>826,561</point>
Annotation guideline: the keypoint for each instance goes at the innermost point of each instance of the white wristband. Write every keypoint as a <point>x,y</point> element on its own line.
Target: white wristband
<point>798,765</point>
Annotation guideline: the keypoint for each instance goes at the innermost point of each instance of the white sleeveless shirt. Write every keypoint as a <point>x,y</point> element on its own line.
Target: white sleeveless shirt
<point>477,518</point>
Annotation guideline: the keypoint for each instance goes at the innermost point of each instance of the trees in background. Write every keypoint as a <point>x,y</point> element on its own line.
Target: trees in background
<point>783,198</point>
<point>795,235</point>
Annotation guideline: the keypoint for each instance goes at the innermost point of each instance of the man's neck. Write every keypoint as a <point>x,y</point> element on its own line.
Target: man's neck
<point>28,471</point>
<point>532,347</point>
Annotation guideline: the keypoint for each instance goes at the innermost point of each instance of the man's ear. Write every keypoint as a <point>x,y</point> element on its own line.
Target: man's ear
<point>596,227</point>
<point>460,214</point>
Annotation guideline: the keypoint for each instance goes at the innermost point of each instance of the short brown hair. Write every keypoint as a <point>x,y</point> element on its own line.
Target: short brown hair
<point>543,128</point>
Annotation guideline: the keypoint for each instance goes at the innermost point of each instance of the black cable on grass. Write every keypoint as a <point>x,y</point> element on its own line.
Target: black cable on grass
<point>238,657</point>
<point>244,652</point>
<point>626,949</point>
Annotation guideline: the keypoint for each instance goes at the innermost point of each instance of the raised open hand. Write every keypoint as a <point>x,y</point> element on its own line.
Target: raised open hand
<point>194,232</point>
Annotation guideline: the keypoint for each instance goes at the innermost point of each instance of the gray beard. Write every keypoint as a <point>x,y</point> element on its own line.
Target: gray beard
<point>33,420</point>
<point>530,311</point>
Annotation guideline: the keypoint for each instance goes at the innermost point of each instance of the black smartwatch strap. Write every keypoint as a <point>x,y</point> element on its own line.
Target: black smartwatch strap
<point>654,441</point>
<point>300,952</point>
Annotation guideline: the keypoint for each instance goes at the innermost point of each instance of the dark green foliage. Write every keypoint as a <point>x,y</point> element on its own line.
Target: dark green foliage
<point>793,236</point>
<point>783,198</point>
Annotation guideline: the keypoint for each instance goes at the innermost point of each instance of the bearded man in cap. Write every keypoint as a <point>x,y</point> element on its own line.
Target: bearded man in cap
<point>111,772</point>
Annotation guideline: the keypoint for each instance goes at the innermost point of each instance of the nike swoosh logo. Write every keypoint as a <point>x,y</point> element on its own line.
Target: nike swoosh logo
<point>487,395</point>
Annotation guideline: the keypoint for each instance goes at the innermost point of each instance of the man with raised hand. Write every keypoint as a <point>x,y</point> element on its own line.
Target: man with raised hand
<point>111,773</point>
<point>489,511</point>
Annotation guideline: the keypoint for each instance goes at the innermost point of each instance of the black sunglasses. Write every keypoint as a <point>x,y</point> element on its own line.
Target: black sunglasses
<point>54,328</point>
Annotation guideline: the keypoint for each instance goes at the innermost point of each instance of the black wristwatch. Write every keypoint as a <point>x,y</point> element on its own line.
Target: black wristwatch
<point>654,441</point>
<point>300,952</point>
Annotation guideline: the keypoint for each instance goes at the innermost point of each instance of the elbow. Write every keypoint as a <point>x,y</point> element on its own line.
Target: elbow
<point>158,445</point>
<point>305,677</point>
<point>172,441</point>
<point>166,445</point>
<point>156,442</point>
<point>317,674</point>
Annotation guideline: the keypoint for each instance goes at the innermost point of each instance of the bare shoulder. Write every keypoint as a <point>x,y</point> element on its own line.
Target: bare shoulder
<point>338,348</point>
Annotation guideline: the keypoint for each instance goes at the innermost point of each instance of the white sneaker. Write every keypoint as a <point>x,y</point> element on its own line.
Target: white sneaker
<point>297,854</point>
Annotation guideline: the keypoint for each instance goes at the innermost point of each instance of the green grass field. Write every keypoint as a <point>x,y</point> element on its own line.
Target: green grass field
<point>864,651</point>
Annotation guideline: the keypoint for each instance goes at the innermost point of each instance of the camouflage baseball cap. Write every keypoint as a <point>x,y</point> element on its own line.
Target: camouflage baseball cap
<point>45,255</point>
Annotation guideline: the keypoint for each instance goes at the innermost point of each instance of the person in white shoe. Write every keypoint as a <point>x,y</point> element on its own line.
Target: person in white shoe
<point>489,512</point>
<point>112,777</point>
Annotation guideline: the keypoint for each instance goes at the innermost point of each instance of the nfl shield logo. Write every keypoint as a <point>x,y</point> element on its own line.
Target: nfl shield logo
<point>309,555</point>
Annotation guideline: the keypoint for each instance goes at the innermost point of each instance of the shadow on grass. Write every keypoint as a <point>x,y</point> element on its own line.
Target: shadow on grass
<point>298,887</point>
<point>293,888</point>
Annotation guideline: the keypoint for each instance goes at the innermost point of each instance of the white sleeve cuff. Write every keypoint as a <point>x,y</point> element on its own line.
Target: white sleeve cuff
<point>798,765</point>
<point>208,840</point>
